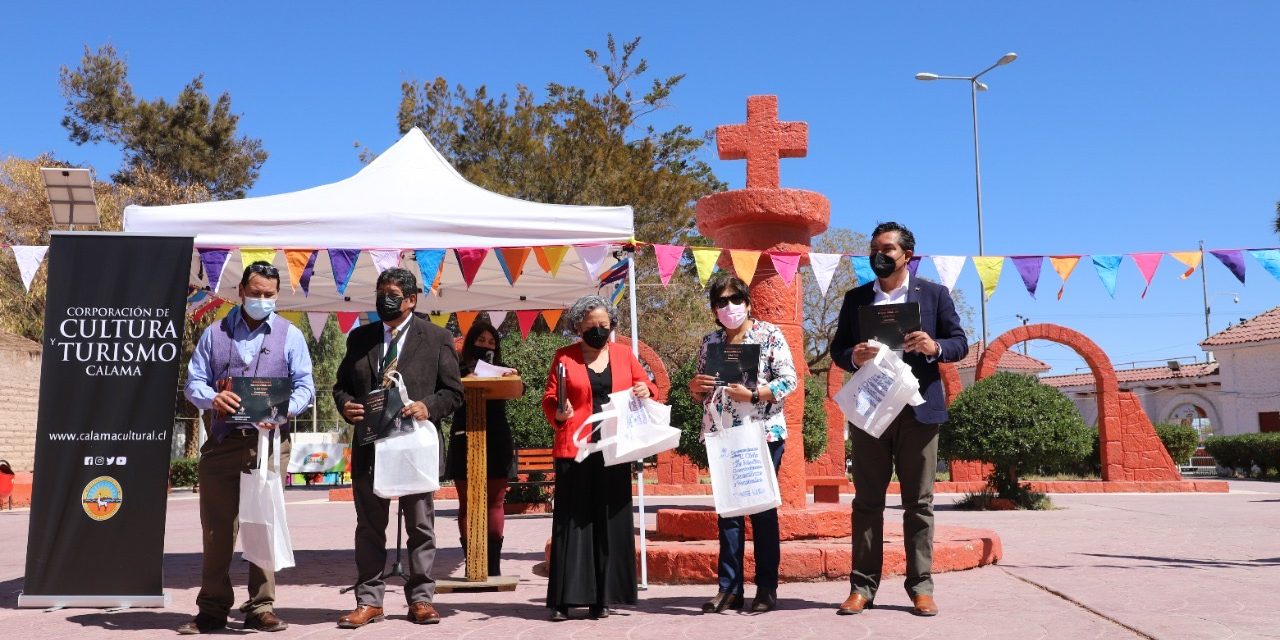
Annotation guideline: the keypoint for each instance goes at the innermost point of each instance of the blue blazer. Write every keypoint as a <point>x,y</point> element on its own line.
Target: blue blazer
<point>938,318</point>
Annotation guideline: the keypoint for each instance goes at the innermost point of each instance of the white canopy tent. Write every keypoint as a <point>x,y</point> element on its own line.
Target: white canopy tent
<point>408,198</point>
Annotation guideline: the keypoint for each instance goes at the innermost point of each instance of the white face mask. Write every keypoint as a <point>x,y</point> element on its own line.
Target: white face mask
<point>732,315</point>
<point>259,308</point>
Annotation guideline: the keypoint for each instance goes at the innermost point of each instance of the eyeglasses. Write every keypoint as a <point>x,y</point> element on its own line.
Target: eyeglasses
<point>723,301</point>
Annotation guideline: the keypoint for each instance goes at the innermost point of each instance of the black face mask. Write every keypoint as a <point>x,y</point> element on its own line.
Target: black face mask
<point>596,337</point>
<point>389,307</point>
<point>883,265</point>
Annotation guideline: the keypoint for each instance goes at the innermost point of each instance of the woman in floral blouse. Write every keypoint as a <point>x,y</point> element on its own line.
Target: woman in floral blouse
<point>731,303</point>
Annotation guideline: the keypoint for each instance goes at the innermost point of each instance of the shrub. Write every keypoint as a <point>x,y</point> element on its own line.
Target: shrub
<point>184,472</point>
<point>815,417</point>
<point>532,356</point>
<point>1014,421</point>
<point>529,493</point>
<point>1242,452</point>
<point>1180,441</point>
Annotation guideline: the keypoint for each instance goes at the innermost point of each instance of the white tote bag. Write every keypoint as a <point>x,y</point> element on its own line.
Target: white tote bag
<point>743,480</point>
<point>878,391</point>
<point>264,532</point>
<point>407,462</point>
<point>630,428</point>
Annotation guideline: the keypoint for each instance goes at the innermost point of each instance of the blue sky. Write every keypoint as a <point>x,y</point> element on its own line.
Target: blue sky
<point>1122,127</point>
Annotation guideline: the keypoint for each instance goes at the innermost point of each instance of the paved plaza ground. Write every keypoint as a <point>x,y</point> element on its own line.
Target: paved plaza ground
<point>1176,566</point>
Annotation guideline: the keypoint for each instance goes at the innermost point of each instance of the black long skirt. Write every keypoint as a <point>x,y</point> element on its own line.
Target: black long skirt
<point>593,544</point>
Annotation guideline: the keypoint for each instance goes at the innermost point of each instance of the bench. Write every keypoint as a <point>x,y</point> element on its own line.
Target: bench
<point>826,488</point>
<point>535,461</point>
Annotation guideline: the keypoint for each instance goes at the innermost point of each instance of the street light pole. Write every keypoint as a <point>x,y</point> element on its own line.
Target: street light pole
<point>974,87</point>
<point>1026,344</point>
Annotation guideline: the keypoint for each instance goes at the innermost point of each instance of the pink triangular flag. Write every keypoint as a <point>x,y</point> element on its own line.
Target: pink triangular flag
<point>526,318</point>
<point>496,318</point>
<point>786,265</point>
<point>1147,264</point>
<point>317,320</point>
<point>385,259</point>
<point>469,261</point>
<point>669,256</point>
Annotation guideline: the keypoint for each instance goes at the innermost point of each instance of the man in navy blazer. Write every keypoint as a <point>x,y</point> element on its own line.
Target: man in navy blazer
<point>910,444</point>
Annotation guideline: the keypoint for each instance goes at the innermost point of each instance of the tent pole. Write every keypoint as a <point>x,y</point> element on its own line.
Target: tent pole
<point>635,349</point>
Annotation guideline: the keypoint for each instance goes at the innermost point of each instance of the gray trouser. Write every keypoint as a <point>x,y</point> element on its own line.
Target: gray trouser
<point>910,448</point>
<point>372,516</point>
<point>221,466</point>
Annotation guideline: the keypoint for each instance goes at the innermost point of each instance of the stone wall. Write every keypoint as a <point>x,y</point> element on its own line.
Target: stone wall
<point>19,393</point>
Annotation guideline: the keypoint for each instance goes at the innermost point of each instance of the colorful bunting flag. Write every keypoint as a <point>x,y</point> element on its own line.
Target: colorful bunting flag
<point>465,320</point>
<point>824,267</point>
<point>1029,268</point>
<point>29,258</point>
<point>496,318</point>
<point>913,265</point>
<point>1107,268</point>
<point>744,263</point>
<point>1189,258</point>
<point>1269,258</point>
<point>989,268</point>
<point>439,319</point>
<point>302,264</point>
<point>213,260</point>
<point>549,258</point>
<point>512,260</point>
<point>343,263</point>
<point>704,258</point>
<point>1147,264</point>
<point>526,317</point>
<point>384,259</point>
<point>249,256</point>
<point>224,309</point>
<point>1063,266</point>
<point>786,264</point>
<point>616,273</point>
<point>294,317</point>
<point>592,256</point>
<point>619,293</point>
<point>317,320</point>
<point>469,261</point>
<point>1232,259</point>
<point>669,256</point>
<point>552,317</point>
<point>212,304</point>
<point>862,269</point>
<point>346,320</point>
<point>949,268</point>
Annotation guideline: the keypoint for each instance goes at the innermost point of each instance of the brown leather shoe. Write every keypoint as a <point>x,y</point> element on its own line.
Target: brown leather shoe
<point>265,621</point>
<point>363,614</point>
<point>423,613</point>
<point>923,605</point>
<point>853,605</point>
<point>201,624</point>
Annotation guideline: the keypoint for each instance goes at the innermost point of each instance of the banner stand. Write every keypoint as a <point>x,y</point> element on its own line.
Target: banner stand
<point>93,602</point>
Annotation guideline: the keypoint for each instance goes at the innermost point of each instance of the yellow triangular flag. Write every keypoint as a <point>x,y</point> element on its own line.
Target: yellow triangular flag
<point>705,259</point>
<point>989,268</point>
<point>1064,265</point>
<point>224,309</point>
<point>465,320</point>
<point>250,256</point>
<point>294,317</point>
<point>1190,258</point>
<point>439,319</point>
<point>552,317</point>
<point>549,258</point>
<point>744,263</point>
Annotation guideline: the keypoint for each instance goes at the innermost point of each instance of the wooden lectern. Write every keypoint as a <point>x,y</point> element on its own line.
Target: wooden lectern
<point>477,392</point>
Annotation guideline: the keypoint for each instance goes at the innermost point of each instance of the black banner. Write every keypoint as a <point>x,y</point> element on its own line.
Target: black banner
<point>113,326</point>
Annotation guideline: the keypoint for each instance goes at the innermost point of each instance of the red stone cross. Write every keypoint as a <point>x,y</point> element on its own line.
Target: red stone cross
<point>762,141</point>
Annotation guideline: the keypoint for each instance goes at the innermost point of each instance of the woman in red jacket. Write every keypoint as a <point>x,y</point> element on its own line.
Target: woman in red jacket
<point>593,554</point>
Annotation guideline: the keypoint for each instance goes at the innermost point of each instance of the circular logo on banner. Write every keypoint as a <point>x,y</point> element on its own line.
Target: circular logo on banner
<point>102,498</point>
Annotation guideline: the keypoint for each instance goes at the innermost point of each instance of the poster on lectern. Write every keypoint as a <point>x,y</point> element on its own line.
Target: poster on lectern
<point>112,345</point>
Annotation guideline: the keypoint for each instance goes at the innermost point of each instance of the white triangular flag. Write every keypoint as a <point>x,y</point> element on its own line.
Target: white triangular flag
<point>385,259</point>
<point>29,258</point>
<point>317,320</point>
<point>496,318</point>
<point>824,266</point>
<point>949,268</point>
<point>592,257</point>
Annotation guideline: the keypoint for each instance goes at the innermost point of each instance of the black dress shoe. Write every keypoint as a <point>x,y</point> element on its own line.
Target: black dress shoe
<point>597,613</point>
<point>764,601</point>
<point>202,624</point>
<point>265,621</point>
<point>723,601</point>
<point>560,614</point>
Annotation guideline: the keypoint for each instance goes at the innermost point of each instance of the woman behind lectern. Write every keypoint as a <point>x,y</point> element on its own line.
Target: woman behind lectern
<point>593,553</point>
<point>482,343</point>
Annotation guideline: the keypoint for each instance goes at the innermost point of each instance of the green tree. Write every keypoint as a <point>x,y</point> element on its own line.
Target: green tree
<point>192,141</point>
<point>574,146</point>
<point>532,357</point>
<point>1181,441</point>
<point>1014,421</point>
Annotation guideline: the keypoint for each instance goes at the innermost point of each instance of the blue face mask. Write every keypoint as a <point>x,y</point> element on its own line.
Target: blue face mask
<point>259,308</point>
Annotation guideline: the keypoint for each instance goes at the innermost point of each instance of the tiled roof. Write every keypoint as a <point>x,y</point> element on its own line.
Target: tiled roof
<point>1135,375</point>
<point>1010,361</point>
<point>1256,329</point>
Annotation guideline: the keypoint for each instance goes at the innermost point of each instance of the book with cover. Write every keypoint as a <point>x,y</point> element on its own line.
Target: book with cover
<point>261,400</point>
<point>889,324</point>
<point>382,409</point>
<point>733,364</point>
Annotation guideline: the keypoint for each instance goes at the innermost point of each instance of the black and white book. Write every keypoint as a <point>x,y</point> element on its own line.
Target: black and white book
<point>382,409</point>
<point>889,324</point>
<point>733,364</point>
<point>261,400</point>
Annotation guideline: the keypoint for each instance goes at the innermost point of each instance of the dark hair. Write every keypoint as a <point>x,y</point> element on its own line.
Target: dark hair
<point>468,362</point>
<point>906,239</point>
<point>261,268</point>
<point>402,278</point>
<point>723,281</point>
